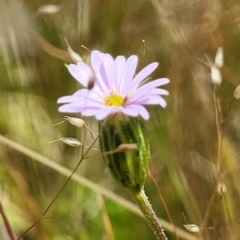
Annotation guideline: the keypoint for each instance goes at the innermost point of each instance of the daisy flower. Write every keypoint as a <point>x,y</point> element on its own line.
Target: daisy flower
<point>112,86</point>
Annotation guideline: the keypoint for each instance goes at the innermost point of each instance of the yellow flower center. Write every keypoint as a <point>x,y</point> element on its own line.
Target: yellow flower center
<point>114,100</point>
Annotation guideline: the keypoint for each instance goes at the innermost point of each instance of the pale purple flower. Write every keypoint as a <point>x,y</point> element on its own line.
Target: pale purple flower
<point>111,86</point>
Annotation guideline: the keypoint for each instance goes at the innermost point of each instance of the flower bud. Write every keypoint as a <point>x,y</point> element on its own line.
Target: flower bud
<point>129,168</point>
<point>127,147</point>
<point>73,55</point>
<point>77,122</point>
<point>192,227</point>
<point>221,188</point>
<point>236,93</point>
<point>48,9</point>
<point>216,75</point>
<point>218,62</point>
<point>71,142</point>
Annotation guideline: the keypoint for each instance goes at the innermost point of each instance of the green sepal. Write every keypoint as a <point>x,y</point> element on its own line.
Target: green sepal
<point>129,168</point>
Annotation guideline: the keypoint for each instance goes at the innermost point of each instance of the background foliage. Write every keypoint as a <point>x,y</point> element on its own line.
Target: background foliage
<point>183,36</point>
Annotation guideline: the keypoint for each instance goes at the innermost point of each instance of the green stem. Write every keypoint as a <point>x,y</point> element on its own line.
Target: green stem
<point>147,210</point>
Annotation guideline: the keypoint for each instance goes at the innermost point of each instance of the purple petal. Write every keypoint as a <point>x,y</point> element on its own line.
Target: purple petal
<point>82,102</point>
<point>109,71</point>
<point>90,112</point>
<point>69,108</point>
<point>141,76</point>
<point>158,91</point>
<point>96,60</point>
<point>102,113</point>
<point>146,88</point>
<point>128,73</point>
<point>89,103</point>
<point>152,100</point>
<point>164,81</point>
<point>141,111</point>
<point>130,111</point>
<point>81,93</point>
<point>95,96</point>
<point>120,63</point>
<point>103,80</point>
<point>68,99</point>
<point>81,72</point>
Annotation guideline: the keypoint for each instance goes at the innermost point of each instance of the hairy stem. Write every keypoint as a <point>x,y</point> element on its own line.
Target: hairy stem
<point>147,210</point>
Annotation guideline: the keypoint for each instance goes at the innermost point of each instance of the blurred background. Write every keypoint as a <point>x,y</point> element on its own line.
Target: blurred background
<point>185,145</point>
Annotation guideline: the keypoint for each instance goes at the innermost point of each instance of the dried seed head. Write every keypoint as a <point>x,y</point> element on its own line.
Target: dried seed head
<point>236,93</point>
<point>221,188</point>
<point>192,227</point>
<point>48,9</point>
<point>219,58</point>
<point>77,122</point>
<point>71,142</point>
<point>127,147</point>
<point>73,55</point>
<point>216,75</point>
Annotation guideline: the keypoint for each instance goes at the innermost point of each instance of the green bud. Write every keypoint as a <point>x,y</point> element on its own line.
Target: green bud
<point>129,168</point>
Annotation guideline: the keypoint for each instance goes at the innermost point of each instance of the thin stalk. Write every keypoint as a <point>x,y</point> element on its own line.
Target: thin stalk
<point>219,126</point>
<point>147,210</point>
<point>6,223</point>
<point>219,121</point>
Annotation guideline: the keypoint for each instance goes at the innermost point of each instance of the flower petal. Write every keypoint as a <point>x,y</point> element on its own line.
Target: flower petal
<point>109,70</point>
<point>156,100</point>
<point>68,99</point>
<point>81,93</point>
<point>69,108</point>
<point>90,112</point>
<point>141,111</point>
<point>141,76</point>
<point>146,88</point>
<point>102,113</point>
<point>80,96</point>
<point>158,91</point>
<point>96,60</point>
<point>81,72</point>
<point>120,63</point>
<point>130,111</point>
<point>128,73</point>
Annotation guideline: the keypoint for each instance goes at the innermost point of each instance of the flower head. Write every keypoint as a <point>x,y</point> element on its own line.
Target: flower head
<point>111,86</point>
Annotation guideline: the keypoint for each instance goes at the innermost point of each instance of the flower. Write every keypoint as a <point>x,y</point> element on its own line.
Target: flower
<point>111,86</point>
